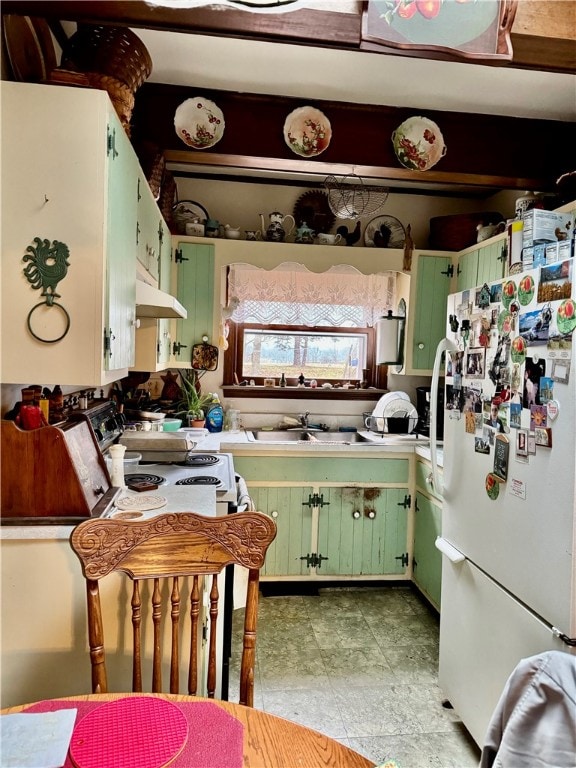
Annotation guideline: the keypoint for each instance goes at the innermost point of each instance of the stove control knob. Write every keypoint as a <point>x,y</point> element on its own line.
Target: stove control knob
<point>111,424</point>
<point>99,435</point>
<point>99,491</point>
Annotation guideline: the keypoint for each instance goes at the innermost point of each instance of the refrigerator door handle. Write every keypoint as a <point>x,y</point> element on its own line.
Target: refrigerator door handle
<point>445,345</point>
<point>453,554</point>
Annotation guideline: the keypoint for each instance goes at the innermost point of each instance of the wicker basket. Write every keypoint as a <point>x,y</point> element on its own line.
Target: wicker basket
<point>454,233</point>
<point>113,51</point>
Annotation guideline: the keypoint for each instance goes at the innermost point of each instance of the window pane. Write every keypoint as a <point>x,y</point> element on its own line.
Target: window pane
<point>337,356</point>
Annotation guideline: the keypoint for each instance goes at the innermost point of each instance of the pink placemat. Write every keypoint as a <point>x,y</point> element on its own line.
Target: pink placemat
<point>215,738</point>
<point>142,732</point>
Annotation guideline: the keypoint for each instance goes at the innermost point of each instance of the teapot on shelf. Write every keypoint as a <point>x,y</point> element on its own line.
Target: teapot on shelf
<point>275,230</point>
<point>304,234</point>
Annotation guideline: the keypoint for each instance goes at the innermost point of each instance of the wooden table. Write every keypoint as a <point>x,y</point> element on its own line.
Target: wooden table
<point>269,741</point>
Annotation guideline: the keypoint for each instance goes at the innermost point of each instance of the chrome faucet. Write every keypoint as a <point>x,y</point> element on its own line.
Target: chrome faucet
<point>304,418</point>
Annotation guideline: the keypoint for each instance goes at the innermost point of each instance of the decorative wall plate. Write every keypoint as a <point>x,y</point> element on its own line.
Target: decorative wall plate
<point>199,123</point>
<point>307,131</point>
<point>418,143</point>
<point>384,232</point>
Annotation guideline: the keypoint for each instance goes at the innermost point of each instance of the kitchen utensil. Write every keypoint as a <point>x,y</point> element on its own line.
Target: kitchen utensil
<point>327,238</point>
<point>275,231</point>
<point>137,415</point>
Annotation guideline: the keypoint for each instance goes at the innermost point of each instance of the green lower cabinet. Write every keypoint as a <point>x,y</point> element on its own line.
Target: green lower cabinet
<point>294,521</point>
<point>427,571</point>
<point>362,532</point>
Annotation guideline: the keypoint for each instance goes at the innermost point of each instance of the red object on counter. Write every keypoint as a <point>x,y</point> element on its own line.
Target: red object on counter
<point>31,417</point>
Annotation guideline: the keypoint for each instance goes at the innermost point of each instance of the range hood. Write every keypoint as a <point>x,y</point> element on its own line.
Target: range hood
<point>151,302</point>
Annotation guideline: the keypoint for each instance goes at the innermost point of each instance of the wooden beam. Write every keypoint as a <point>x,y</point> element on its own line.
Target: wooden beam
<point>543,33</point>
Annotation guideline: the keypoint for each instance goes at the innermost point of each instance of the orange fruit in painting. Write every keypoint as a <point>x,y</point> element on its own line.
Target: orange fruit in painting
<point>429,8</point>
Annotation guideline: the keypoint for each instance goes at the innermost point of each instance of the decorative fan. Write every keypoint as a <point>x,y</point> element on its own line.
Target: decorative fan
<point>312,209</point>
<point>350,198</point>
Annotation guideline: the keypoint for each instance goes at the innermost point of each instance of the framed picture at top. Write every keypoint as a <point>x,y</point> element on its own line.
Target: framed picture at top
<point>450,28</point>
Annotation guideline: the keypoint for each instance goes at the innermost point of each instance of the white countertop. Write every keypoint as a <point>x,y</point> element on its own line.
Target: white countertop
<point>238,443</point>
<point>200,499</point>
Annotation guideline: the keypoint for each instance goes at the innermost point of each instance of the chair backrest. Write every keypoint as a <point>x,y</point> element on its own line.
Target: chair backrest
<point>177,548</point>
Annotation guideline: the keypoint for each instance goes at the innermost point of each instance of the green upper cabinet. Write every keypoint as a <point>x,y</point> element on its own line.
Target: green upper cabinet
<point>72,178</point>
<point>123,182</point>
<point>194,264</point>
<point>429,290</point>
<point>483,263</point>
<point>149,229</point>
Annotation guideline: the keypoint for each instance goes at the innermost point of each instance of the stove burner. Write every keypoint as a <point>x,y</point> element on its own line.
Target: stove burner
<point>142,477</point>
<point>199,460</point>
<point>199,480</point>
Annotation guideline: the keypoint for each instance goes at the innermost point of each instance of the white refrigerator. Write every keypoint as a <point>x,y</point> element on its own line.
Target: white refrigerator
<point>509,463</point>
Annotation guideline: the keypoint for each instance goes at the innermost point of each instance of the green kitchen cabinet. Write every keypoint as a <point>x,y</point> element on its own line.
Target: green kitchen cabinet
<point>194,267</point>
<point>287,554</point>
<point>363,531</point>
<point>72,175</point>
<point>427,559</point>
<point>484,263</point>
<point>328,528</point>
<point>426,325</point>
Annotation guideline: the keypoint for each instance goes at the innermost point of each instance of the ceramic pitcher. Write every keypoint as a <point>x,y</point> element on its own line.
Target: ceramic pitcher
<point>276,230</point>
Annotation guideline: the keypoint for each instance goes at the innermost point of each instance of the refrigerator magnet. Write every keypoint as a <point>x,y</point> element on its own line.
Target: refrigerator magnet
<point>538,416</point>
<point>522,442</point>
<point>501,456</point>
<point>543,437</point>
<point>518,350</point>
<point>508,293</point>
<point>531,443</point>
<point>552,409</point>
<point>492,484</point>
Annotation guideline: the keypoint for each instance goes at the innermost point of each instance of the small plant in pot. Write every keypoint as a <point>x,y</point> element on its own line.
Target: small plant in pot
<point>193,401</point>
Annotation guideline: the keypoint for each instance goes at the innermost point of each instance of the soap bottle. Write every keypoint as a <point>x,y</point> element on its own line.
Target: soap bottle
<point>215,415</point>
<point>117,470</point>
<point>283,381</point>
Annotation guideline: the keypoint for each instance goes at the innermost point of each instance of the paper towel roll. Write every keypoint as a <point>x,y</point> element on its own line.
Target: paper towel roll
<point>388,339</point>
<point>453,554</point>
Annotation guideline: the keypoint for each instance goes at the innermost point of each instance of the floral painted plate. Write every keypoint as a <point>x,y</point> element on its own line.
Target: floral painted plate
<point>307,131</point>
<point>199,123</point>
<point>418,143</point>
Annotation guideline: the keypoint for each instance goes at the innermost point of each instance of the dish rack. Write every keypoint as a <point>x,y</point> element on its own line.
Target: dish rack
<point>387,425</point>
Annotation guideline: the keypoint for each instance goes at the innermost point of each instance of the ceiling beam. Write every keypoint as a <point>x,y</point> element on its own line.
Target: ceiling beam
<point>543,34</point>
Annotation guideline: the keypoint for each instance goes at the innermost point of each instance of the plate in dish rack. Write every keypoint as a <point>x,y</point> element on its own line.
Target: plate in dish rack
<point>141,503</point>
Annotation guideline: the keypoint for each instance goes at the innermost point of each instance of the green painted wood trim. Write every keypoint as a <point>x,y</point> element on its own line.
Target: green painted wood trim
<point>430,320</point>
<point>294,529</point>
<point>427,572</point>
<point>196,293</point>
<point>304,469</point>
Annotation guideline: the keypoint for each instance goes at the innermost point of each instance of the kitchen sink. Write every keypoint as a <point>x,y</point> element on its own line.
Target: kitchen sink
<point>297,436</point>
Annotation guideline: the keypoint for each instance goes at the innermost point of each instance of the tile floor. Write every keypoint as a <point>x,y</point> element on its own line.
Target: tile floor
<point>359,665</point>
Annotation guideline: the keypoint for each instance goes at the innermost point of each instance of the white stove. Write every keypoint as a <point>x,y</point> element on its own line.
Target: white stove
<point>197,469</point>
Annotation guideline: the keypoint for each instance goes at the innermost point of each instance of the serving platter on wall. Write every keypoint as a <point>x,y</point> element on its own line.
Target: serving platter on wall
<point>385,232</point>
<point>199,123</point>
<point>307,131</point>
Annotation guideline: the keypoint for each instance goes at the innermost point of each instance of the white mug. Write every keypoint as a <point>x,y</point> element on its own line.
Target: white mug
<point>325,238</point>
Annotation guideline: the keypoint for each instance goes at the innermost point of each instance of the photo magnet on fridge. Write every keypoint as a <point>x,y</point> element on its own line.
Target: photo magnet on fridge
<point>501,456</point>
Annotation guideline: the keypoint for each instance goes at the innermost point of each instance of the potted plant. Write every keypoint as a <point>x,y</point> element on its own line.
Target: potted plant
<point>193,401</point>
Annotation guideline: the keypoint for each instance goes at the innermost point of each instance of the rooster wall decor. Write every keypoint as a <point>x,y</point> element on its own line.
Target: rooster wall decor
<point>47,266</point>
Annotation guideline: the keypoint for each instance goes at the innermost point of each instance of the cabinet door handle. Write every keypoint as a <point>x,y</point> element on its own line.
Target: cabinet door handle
<point>370,513</point>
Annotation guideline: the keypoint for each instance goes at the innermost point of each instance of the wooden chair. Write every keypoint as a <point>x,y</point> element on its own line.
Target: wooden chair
<point>167,548</point>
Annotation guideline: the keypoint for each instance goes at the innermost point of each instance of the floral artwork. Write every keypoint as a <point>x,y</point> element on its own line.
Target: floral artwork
<point>199,123</point>
<point>307,131</point>
<point>469,29</point>
<point>418,143</point>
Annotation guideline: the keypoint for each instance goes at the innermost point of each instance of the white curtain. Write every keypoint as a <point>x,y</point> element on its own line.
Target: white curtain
<point>291,294</point>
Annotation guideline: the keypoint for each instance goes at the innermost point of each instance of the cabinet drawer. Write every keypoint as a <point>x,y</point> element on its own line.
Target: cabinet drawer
<point>304,469</point>
<point>423,471</point>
